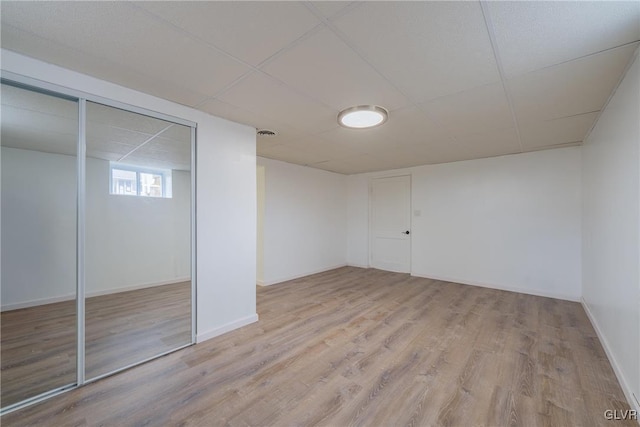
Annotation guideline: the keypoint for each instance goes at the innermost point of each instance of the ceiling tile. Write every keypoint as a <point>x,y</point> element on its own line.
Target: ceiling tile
<point>261,93</point>
<point>292,154</point>
<point>240,115</point>
<point>100,116</point>
<point>554,132</point>
<point>396,159</point>
<point>38,122</point>
<point>39,140</point>
<point>108,151</point>
<point>158,47</point>
<point>263,146</point>
<point>325,148</point>
<point>337,166</point>
<point>489,144</point>
<point>575,87</point>
<point>473,111</point>
<point>170,146</point>
<point>99,133</point>
<point>103,155</point>
<point>330,8</point>
<point>160,163</point>
<point>365,163</point>
<point>443,152</point>
<point>533,34</point>
<point>284,133</point>
<point>152,151</point>
<point>39,47</point>
<point>325,68</point>
<point>19,118</point>
<point>18,99</point>
<point>179,133</point>
<point>284,136</point>
<point>427,49</point>
<point>234,26</point>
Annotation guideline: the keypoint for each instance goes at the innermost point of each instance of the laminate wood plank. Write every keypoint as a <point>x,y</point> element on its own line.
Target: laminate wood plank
<point>367,347</point>
<point>38,344</point>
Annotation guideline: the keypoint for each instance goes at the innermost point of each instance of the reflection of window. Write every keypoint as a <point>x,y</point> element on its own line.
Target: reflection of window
<point>139,181</point>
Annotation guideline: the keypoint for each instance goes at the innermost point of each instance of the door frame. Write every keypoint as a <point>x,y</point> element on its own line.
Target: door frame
<point>370,214</point>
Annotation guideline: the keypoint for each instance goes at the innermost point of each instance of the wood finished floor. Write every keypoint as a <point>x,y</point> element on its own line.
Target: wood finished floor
<point>38,344</point>
<point>369,348</point>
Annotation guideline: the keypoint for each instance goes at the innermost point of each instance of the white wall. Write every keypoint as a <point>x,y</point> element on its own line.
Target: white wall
<point>133,242</point>
<point>358,219</point>
<point>226,197</point>
<point>510,222</point>
<point>611,230</point>
<point>305,223</point>
<point>260,231</point>
<point>38,227</point>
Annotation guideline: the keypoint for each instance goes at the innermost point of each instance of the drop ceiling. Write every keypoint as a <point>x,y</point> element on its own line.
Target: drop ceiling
<point>461,80</point>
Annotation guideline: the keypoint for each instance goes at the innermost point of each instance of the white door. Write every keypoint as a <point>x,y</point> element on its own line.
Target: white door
<point>390,227</point>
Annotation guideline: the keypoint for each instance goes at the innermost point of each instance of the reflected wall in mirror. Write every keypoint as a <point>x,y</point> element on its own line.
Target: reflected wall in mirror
<point>138,238</point>
<point>38,281</point>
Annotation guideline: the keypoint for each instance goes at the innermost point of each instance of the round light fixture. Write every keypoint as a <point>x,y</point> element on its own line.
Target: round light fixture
<point>362,117</point>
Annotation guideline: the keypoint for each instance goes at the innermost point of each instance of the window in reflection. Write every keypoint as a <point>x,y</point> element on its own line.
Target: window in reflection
<point>130,180</point>
<point>138,237</point>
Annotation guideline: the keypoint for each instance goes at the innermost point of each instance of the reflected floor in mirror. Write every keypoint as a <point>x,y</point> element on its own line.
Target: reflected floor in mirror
<point>38,344</point>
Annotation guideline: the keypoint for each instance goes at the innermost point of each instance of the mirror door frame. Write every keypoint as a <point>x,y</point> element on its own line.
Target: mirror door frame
<point>81,98</point>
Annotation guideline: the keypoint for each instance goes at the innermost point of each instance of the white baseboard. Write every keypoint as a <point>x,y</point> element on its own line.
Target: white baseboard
<point>36,302</point>
<point>200,337</point>
<point>260,283</point>
<point>614,364</point>
<point>357,265</point>
<point>297,276</point>
<point>136,287</point>
<point>69,297</point>
<point>535,292</point>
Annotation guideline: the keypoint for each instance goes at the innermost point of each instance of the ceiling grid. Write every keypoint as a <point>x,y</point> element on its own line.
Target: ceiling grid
<point>461,80</point>
<point>505,87</point>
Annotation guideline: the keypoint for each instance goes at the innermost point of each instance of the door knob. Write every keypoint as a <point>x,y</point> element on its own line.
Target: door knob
<point>406,232</point>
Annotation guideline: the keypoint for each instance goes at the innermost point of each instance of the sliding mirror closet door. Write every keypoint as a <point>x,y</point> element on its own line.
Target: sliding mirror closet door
<point>138,239</point>
<point>39,185</point>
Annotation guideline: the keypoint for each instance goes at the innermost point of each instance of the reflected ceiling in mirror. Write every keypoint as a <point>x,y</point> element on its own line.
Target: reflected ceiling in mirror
<point>40,122</point>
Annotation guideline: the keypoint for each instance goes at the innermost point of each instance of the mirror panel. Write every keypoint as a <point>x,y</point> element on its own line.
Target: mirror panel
<point>138,238</point>
<point>38,281</point>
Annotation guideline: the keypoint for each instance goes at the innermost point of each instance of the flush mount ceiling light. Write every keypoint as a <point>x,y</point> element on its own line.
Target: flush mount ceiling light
<point>362,117</point>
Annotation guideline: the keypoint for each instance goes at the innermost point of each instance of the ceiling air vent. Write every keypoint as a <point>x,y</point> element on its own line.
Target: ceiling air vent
<point>266,132</point>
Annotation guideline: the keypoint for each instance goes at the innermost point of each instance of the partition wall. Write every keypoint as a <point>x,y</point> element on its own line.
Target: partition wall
<point>97,238</point>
